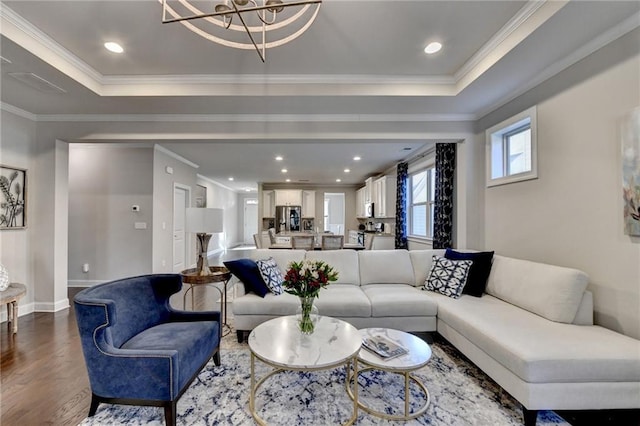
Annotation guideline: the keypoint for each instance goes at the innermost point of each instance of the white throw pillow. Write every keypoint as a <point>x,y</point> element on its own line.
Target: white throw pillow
<point>447,276</point>
<point>271,275</point>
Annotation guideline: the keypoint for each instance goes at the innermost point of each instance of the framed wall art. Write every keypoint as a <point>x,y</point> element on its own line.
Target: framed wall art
<point>13,198</point>
<point>631,173</point>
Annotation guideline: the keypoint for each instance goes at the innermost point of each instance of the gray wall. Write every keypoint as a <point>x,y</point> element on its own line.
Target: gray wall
<point>104,184</point>
<point>572,214</point>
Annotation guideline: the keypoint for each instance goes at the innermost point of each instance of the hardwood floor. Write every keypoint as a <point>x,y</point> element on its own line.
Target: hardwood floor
<point>43,377</point>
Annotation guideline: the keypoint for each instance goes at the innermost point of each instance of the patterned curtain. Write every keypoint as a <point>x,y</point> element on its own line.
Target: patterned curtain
<point>401,206</point>
<point>444,202</point>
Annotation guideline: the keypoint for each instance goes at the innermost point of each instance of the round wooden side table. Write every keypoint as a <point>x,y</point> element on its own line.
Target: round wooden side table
<point>220,274</point>
<point>11,296</point>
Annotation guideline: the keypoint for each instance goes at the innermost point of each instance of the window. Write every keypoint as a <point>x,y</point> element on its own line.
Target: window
<point>511,149</point>
<point>420,200</point>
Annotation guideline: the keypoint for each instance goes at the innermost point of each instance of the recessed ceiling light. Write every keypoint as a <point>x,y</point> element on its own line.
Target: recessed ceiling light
<point>113,47</point>
<point>287,180</point>
<point>231,178</point>
<point>356,158</point>
<point>433,47</point>
<point>247,189</point>
<point>284,170</point>
<point>279,158</point>
<point>347,170</point>
<point>338,180</point>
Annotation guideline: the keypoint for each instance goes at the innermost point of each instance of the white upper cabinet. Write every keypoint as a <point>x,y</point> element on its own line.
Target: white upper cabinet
<point>268,204</point>
<point>288,197</point>
<point>360,208</point>
<point>385,196</point>
<point>308,203</point>
<point>368,191</point>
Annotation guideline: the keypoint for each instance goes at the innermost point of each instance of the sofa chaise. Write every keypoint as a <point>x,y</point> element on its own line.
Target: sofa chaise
<point>532,331</point>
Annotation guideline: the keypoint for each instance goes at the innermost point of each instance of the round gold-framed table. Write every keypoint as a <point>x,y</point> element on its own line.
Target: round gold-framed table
<point>417,356</point>
<point>279,344</point>
<point>219,274</point>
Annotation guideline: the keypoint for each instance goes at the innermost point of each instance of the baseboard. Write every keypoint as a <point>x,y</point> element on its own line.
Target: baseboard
<point>52,307</point>
<point>84,283</point>
<point>22,310</point>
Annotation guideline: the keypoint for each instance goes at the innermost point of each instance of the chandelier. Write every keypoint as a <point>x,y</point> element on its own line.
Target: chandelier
<point>257,19</point>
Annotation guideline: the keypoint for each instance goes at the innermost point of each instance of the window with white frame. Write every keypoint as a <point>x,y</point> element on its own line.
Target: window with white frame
<point>420,203</point>
<point>511,149</point>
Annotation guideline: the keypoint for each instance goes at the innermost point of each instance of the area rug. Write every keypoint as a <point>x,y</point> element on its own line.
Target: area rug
<point>460,395</point>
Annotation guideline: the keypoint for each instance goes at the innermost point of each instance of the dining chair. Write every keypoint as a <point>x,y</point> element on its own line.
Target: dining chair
<point>332,242</point>
<point>257,241</point>
<point>303,242</point>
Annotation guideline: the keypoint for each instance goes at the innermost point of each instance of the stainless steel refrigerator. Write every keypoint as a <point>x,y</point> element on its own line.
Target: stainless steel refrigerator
<point>288,218</point>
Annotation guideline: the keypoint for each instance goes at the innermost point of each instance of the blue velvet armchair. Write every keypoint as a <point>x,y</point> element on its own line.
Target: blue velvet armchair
<point>137,348</point>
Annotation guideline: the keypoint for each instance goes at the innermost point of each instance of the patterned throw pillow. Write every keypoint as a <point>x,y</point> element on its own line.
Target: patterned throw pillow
<point>447,276</point>
<point>271,275</point>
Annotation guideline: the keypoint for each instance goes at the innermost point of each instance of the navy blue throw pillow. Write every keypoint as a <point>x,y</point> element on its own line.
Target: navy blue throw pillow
<point>247,271</point>
<point>479,272</point>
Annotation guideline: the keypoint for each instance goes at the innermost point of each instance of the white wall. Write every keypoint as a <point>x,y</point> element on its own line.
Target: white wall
<point>572,214</point>
<point>104,184</point>
<point>163,190</point>
<point>17,142</point>
<point>220,197</point>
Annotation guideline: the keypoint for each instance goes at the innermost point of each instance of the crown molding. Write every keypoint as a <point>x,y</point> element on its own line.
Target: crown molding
<point>215,182</point>
<point>256,118</point>
<point>17,111</point>
<point>175,156</point>
<point>626,26</point>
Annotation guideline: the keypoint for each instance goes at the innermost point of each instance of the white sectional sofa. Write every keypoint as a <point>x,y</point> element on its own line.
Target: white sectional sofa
<point>532,331</point>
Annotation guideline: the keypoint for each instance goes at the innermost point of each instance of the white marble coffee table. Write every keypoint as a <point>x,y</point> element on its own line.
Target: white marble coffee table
<point>279,344</point>
<point>417,357</point>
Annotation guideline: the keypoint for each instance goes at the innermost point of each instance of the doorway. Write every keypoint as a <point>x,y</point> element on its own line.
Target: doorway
<point>250,220</point>
<point>334,212</point>
<point>181,200</point>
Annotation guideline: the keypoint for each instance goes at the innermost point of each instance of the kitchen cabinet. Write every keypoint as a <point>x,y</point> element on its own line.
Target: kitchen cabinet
<point>288,197</point>
<point>369,191</point>
<point>268,204</point>
<point>309,204</point>
<point>360,197</point>
<point>385,196</point>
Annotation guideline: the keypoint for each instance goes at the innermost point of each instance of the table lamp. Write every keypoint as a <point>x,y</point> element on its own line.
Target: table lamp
<point>203,222</point>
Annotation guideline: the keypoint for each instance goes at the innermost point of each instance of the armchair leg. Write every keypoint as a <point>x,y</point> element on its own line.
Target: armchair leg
<point>95,401</point>
<point>530,417</point>
<point>170,413</point>
<point>240,335</point>
<point>216,358</point>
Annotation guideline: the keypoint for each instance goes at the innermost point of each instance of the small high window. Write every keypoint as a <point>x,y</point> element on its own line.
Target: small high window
<point>511,149</point>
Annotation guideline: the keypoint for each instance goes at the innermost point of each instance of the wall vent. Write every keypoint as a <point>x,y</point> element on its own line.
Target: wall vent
<point>37,82</point>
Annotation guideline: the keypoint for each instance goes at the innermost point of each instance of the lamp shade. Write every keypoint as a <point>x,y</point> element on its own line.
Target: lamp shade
<point>202,220</point>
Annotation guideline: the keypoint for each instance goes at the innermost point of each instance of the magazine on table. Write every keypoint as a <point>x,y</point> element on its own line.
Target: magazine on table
<point>383,347</point>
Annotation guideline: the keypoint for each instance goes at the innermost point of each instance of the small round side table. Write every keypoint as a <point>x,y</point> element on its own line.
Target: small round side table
<point>11,296</point>
<point>219,274</point>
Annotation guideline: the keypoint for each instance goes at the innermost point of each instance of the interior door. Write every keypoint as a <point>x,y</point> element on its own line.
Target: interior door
<point>250,219</point>
<point>180,200</point>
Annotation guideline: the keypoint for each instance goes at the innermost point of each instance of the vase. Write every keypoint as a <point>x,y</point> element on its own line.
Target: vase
<point>307,315</point>
<point>4,278</point>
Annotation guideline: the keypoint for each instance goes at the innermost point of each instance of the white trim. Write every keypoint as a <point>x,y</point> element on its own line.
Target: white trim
<point>51,307</point>
<point>208,179</point>
<point>84,283</point>
<point>17,111</point>
<point>176,156</point>
<point>503,128</point>
<point>599,42</point>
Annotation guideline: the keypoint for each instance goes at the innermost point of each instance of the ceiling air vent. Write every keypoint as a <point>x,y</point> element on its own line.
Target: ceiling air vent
<point>36,82</point>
